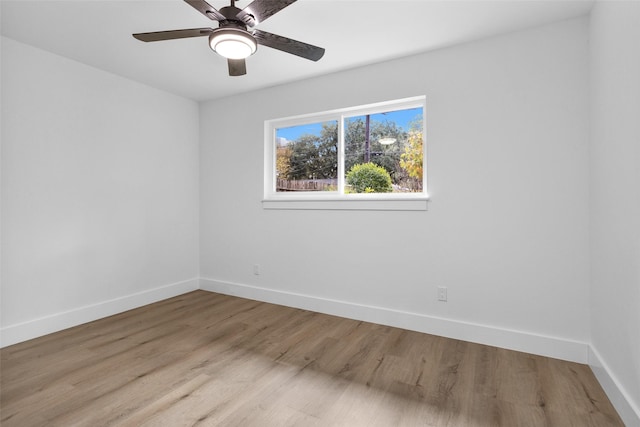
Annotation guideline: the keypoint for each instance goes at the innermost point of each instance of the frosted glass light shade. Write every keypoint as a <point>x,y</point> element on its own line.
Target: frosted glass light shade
<point>232,43</point>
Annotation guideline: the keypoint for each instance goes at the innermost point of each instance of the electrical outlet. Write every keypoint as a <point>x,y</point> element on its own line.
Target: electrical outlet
<point>442,293</point>
<point>256,269</point>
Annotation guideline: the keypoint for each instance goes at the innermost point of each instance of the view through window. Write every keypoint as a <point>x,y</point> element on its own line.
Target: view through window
<point>378,150</point>
<point>307,157</point>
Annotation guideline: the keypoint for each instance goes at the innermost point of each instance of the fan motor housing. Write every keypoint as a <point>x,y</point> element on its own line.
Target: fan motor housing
<point>231,13</point>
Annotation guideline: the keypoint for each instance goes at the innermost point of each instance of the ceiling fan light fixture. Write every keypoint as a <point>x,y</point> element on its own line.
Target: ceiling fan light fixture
<point>232,43</point>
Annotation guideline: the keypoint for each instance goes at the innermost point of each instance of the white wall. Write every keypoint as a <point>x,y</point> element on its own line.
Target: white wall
<point>99,193</point>
<point>507,226</point>
<point>615,203</point>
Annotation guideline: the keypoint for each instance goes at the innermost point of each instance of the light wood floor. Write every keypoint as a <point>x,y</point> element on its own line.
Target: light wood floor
<point>208,359</point>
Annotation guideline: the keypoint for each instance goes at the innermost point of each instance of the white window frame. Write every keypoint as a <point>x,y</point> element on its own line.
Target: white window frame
<point>338,200</point>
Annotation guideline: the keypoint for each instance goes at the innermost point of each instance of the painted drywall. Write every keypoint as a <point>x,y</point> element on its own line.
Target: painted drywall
<point>615,203</point>
<point>99,193</point>
<point>507,226</point>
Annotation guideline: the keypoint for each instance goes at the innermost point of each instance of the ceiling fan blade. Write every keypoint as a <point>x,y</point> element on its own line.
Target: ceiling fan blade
<point>173,34</point>
<point>288,45</point>
<point>237,67</point>
<point>206,9</point>
<point>259,10</point>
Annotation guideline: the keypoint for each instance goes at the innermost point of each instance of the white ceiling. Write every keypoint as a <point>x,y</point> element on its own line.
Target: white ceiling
<point>353,32</point>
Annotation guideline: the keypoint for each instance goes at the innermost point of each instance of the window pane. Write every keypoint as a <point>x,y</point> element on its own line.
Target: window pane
<point>307,157</point>
<point>383,152</point>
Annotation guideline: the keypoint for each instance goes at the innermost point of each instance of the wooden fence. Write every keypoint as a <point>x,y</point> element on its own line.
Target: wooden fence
<point>306,185</point>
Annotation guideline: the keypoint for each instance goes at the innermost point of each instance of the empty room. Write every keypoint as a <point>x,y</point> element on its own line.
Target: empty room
<point>320,213</point>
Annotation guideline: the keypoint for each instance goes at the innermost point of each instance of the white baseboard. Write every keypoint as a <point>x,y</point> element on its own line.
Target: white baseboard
<point>499,337</point>
<point>13,334</point>
<point>628,411</point>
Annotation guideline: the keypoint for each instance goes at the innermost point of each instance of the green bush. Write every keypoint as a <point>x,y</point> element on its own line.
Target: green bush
<point>369,178</point>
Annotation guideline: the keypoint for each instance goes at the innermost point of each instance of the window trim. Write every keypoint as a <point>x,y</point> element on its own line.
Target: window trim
<point>337,200</point>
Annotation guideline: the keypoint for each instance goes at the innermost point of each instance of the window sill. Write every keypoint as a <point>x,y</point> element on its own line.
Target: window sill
<point>351,204</point>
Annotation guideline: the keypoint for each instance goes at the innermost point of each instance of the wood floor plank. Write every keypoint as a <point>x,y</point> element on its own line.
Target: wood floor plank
<point>205,359</point>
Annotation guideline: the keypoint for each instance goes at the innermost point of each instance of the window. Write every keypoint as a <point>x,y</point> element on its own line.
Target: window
<point>368,157</point>
<point>307,157</point>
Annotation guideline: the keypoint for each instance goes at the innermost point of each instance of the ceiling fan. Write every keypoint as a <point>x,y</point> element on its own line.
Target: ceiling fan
<point>232,39</point>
